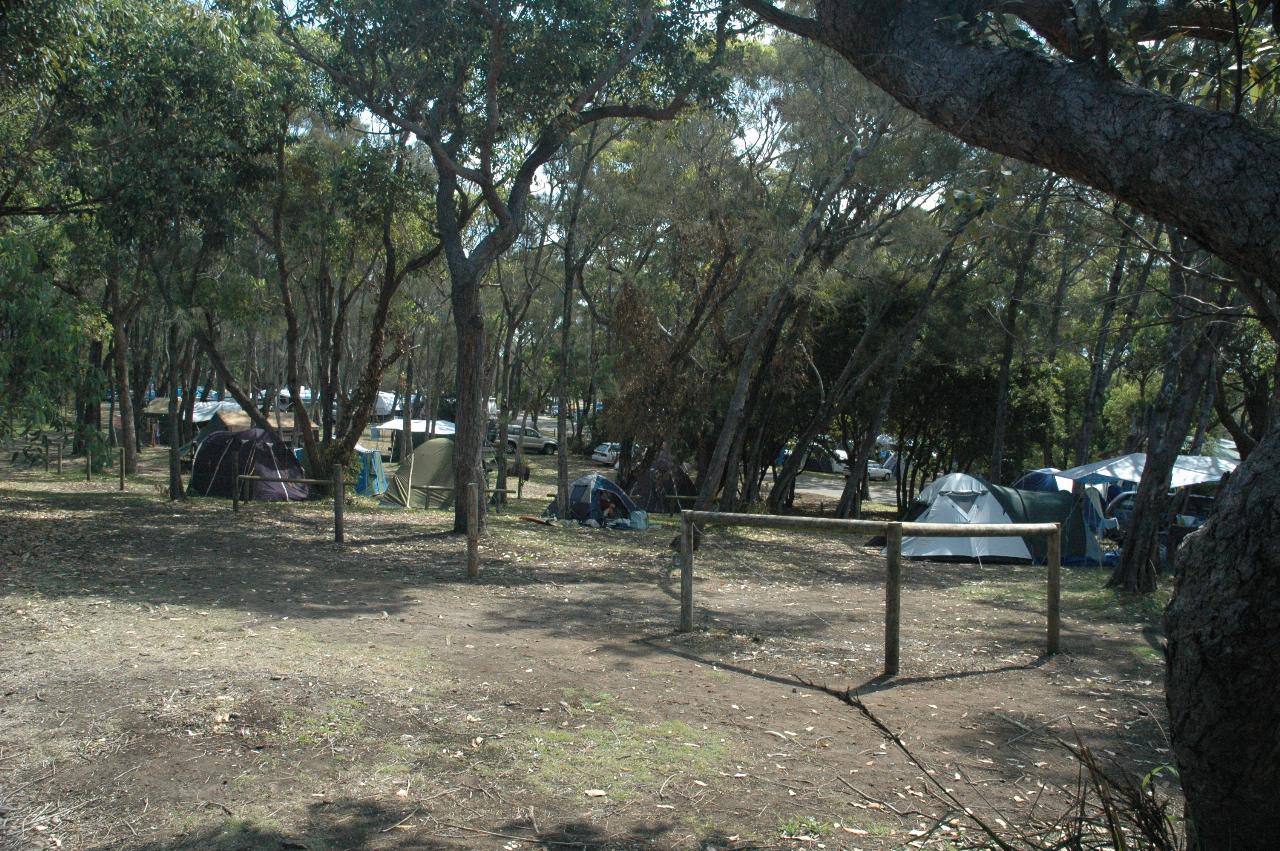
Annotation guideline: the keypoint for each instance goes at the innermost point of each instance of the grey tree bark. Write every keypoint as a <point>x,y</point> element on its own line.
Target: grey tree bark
<point>1224,702</point>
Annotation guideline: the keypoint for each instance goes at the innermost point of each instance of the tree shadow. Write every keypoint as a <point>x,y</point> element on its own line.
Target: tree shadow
<point>352,823</point>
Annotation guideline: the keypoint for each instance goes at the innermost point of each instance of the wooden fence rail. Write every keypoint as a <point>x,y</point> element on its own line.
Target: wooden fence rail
<point>893,532</point>
<point>336,483</point>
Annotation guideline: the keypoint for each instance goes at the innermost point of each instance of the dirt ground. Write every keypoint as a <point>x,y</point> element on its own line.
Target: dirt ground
<point>178,676</point>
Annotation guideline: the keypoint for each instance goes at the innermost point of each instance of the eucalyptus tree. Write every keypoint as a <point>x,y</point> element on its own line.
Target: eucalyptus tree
<point>494,89</point>
<point>342,220</point>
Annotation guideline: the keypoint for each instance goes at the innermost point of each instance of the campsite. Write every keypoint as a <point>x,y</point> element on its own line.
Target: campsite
<point>628,425</point>
<point>370,696</point>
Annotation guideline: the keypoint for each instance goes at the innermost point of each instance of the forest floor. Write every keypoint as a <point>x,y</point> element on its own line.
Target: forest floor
<point>179,676</point>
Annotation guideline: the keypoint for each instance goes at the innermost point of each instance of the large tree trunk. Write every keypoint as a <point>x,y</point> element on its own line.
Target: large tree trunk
<point>1223,692</point>
<point>468,468</point>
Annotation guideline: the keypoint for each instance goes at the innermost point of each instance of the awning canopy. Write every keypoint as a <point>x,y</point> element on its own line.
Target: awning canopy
<point>417,426</point>
<point>202,411</point>
<point>1187,470</point>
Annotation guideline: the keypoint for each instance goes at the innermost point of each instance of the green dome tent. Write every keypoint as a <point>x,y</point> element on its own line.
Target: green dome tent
<point>430,465</point>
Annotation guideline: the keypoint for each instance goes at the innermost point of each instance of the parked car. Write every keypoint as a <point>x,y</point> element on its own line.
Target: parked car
<point>1194,507</point>
<point>876,473</point>
<point>606,453</point>
<point>531,439</point>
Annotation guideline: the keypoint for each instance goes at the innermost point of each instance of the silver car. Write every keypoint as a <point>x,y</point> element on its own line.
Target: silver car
<point>531,439</point>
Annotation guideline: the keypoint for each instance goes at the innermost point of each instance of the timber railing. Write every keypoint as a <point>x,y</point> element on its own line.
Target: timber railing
<point>893,532</point>
<point>336,483</point>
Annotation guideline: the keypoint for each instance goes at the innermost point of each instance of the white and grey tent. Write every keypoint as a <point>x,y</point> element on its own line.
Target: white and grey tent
<point>960,498</point>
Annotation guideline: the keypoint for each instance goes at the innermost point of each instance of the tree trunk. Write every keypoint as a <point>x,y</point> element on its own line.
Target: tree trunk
<point>1104,357</point>
<point>468,468</point>
<point>848,384</point>
<point>774,314</point>
<point>88,401</point>
<point>175,435</point>
<point>995,470</point>
<point>850,504</point>
<point>562,384</point>
<point>1222,689</point>
<point>124,392</point>
<point>1189,356</point>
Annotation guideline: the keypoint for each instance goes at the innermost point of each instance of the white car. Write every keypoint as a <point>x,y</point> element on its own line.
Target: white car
<point>876,473</point>
<point>606,453</point>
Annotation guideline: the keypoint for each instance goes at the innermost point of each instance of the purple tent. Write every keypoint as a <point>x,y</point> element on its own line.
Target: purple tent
<point>223,455</point>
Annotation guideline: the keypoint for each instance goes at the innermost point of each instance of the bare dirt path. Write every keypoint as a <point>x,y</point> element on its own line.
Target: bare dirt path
<point>181,677</point>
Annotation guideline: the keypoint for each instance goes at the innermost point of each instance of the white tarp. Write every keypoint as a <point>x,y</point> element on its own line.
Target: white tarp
<point>959,498</point>
<point>204,411</point>
<point>384,404</point>
<point>1187,470</point>
<point>417,426</point>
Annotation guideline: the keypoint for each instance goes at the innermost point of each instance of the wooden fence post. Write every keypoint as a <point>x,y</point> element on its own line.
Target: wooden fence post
<point>686,572</point>
<point>473,531</point>
<point>1055,589</point>
<point>892,597</point>
<point>88,465</point>
<point>339,504</point>
<point>122,468</point>
<point>519,486</point>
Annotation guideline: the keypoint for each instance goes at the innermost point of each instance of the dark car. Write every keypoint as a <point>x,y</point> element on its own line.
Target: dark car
<point>1194,506</point>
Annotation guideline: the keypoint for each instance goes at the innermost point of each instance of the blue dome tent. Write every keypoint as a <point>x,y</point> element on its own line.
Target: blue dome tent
<point>593,497</point>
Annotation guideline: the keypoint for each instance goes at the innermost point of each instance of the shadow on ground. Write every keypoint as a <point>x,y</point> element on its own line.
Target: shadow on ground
<point>365,824</point>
